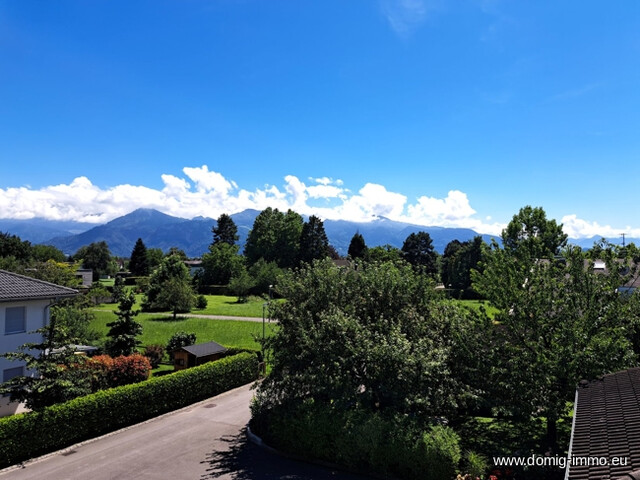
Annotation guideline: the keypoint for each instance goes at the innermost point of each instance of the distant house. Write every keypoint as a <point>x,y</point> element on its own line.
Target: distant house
<point>24,307</point>
<point>605,437</point>
<point>194,266</point>
<point>85,275</point>
<point>194,355</point>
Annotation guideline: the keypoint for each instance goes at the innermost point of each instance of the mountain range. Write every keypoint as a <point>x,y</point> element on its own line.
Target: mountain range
<point>159,230</point>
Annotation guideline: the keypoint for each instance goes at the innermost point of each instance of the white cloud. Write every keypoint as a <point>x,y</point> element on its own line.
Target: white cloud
<point>579,228</point>
<point>209,193</point>
<point>405,16</point>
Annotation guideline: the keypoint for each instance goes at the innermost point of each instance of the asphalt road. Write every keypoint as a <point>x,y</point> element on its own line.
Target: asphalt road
<point>201,442</point>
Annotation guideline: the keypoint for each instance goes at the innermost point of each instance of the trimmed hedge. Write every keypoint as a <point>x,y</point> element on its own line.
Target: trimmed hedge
<point>362,441</point>
<point>27,435</point>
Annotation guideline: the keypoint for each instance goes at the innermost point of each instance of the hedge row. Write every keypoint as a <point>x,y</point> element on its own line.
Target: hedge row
<point>31,434</point>
<point>362,441</point>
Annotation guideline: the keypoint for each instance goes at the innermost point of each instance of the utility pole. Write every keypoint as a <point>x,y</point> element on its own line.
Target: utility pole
<point>623,234</point>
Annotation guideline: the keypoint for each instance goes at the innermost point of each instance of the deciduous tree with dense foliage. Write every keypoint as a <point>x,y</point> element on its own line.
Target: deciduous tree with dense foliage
<point>171,272</point>
<point>378,337</point>
<point>275,236</point>
<point>559,322</point>
<point>97,257</point>
<point>529,234</point>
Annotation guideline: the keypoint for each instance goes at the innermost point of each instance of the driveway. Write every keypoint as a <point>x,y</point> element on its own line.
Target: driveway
<point>204,441</point>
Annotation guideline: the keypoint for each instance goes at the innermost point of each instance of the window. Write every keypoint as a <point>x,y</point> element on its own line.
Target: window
<point>14,320</point>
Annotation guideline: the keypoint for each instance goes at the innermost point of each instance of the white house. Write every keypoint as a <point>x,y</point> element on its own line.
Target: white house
<point>24,307</point>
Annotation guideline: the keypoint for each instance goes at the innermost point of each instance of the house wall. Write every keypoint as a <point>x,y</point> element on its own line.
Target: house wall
<point>36,316</point>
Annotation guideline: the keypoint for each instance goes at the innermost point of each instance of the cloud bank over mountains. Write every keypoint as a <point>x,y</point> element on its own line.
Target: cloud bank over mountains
<point>203,192</point>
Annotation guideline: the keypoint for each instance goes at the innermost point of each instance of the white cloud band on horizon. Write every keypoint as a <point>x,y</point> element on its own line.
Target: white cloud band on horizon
<point>208,193</point>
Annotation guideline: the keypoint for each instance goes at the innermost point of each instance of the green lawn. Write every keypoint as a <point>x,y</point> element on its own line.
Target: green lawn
<point>158,328</point>
<point>479,304</point>
<point>216,305</point>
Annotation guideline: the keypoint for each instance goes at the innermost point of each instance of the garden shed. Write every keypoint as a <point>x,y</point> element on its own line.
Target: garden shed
<point>194,355</point>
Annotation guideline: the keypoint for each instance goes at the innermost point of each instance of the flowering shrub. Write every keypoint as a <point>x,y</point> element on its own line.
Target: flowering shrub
<point>132,369</point>
<point>108,372</point>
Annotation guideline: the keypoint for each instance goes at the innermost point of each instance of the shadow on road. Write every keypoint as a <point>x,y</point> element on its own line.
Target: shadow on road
<point>245,461</point>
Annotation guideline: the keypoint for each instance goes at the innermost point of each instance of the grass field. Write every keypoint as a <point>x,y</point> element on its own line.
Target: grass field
<point>158,328</point>
<point>216,305</point>
<point>479,304</point>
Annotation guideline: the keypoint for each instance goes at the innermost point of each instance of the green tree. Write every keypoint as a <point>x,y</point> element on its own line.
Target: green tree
<point>560,322</point>
<point>378,338</point>
<point>264,274</point>
<point>54,360</point>
<point>275,236</point>
<point>178,340</point>
<point>118,288</point>
<point>241,284</point>
<point>418,250</point>
<point>357,246</point>
<point>384,253</point>
<point>530,235</point>
<point>172,267</point>
<point>459,260</point>
<point>225,230</point>
<point>97,257</point>
<point>123,332</point>
<point>177,252</point>
<point>220,264</point>
<point>139,263</point>
<point>154,258</point>
<point>43,253</point>
<point>55,272</point>
<point>177,296</point>
<point>13,246</point>
<point>314,243</point>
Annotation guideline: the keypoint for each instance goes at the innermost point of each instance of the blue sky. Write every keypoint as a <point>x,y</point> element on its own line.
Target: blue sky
<point>453,113</point>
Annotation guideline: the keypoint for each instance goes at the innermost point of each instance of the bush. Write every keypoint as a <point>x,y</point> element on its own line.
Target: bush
<point>201,302</point>
<point>108,372</point>
<point>383,443</point>
<point>130,369</point>
<point>155,354</point>
<point>179,340</point>
<point>30,434</point>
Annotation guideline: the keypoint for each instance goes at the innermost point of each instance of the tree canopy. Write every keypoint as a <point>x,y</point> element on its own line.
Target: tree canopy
<point>275,236</point>
<point>418,250</point>
<point>314,243</point>
<point>171,273</point>
<point>530,235</point>
<point>225,230</point>
<point>97,257</point>
<point>139,263</point>
<point>378,337</point>
<point>559,322</point>
<point>123,331</point>
<point>357,246</point>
